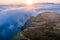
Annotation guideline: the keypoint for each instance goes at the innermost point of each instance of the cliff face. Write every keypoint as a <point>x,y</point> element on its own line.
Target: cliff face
<point>45,26</point>
<point>43,18</point>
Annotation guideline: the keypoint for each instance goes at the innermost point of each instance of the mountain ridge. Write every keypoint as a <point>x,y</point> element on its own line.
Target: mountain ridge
<point>42,29</point>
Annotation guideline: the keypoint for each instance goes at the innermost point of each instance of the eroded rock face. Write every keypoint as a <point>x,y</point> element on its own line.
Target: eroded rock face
<point>43,18</point>
<point>45,26</point>
<point>49,16</point>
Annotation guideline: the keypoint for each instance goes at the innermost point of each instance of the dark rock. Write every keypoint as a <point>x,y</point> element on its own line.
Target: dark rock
<point>45,26</point>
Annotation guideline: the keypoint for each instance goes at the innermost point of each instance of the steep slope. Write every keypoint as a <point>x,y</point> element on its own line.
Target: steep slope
<point>45,26</point>
<point>42,18</point>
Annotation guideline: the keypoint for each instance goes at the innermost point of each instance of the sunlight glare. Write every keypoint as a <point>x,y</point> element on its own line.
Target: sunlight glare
<point>29,2</point>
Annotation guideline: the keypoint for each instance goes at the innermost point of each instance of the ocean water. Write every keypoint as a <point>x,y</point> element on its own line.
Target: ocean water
<point>13,17</point>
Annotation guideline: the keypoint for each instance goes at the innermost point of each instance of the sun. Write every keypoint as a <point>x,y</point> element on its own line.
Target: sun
<point>29,2</point>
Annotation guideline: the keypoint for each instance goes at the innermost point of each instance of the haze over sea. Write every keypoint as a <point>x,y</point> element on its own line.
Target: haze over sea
<point>13,17</point>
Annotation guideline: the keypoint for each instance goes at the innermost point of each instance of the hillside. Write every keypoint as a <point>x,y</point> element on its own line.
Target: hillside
<point>45,26</point>
<point>42,18</point>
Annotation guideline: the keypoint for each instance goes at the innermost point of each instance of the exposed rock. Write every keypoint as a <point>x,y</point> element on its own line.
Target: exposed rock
<point>45,26</point>
<point>43,18</point>
<point>49,16</point>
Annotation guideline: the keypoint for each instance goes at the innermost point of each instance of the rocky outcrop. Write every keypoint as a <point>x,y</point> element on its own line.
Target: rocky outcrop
<point>43,18</point>
<point>45,26</point>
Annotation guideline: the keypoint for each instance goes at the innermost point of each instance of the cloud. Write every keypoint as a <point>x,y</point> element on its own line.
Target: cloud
<point>13,18</point>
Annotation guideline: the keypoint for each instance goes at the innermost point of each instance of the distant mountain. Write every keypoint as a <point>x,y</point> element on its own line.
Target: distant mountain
<point>44,3</point>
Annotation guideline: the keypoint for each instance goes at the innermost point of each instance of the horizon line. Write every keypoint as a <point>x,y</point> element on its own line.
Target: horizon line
<point>24,3</point>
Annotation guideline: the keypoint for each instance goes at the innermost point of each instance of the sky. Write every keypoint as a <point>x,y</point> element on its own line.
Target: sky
<point>23,1</point>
